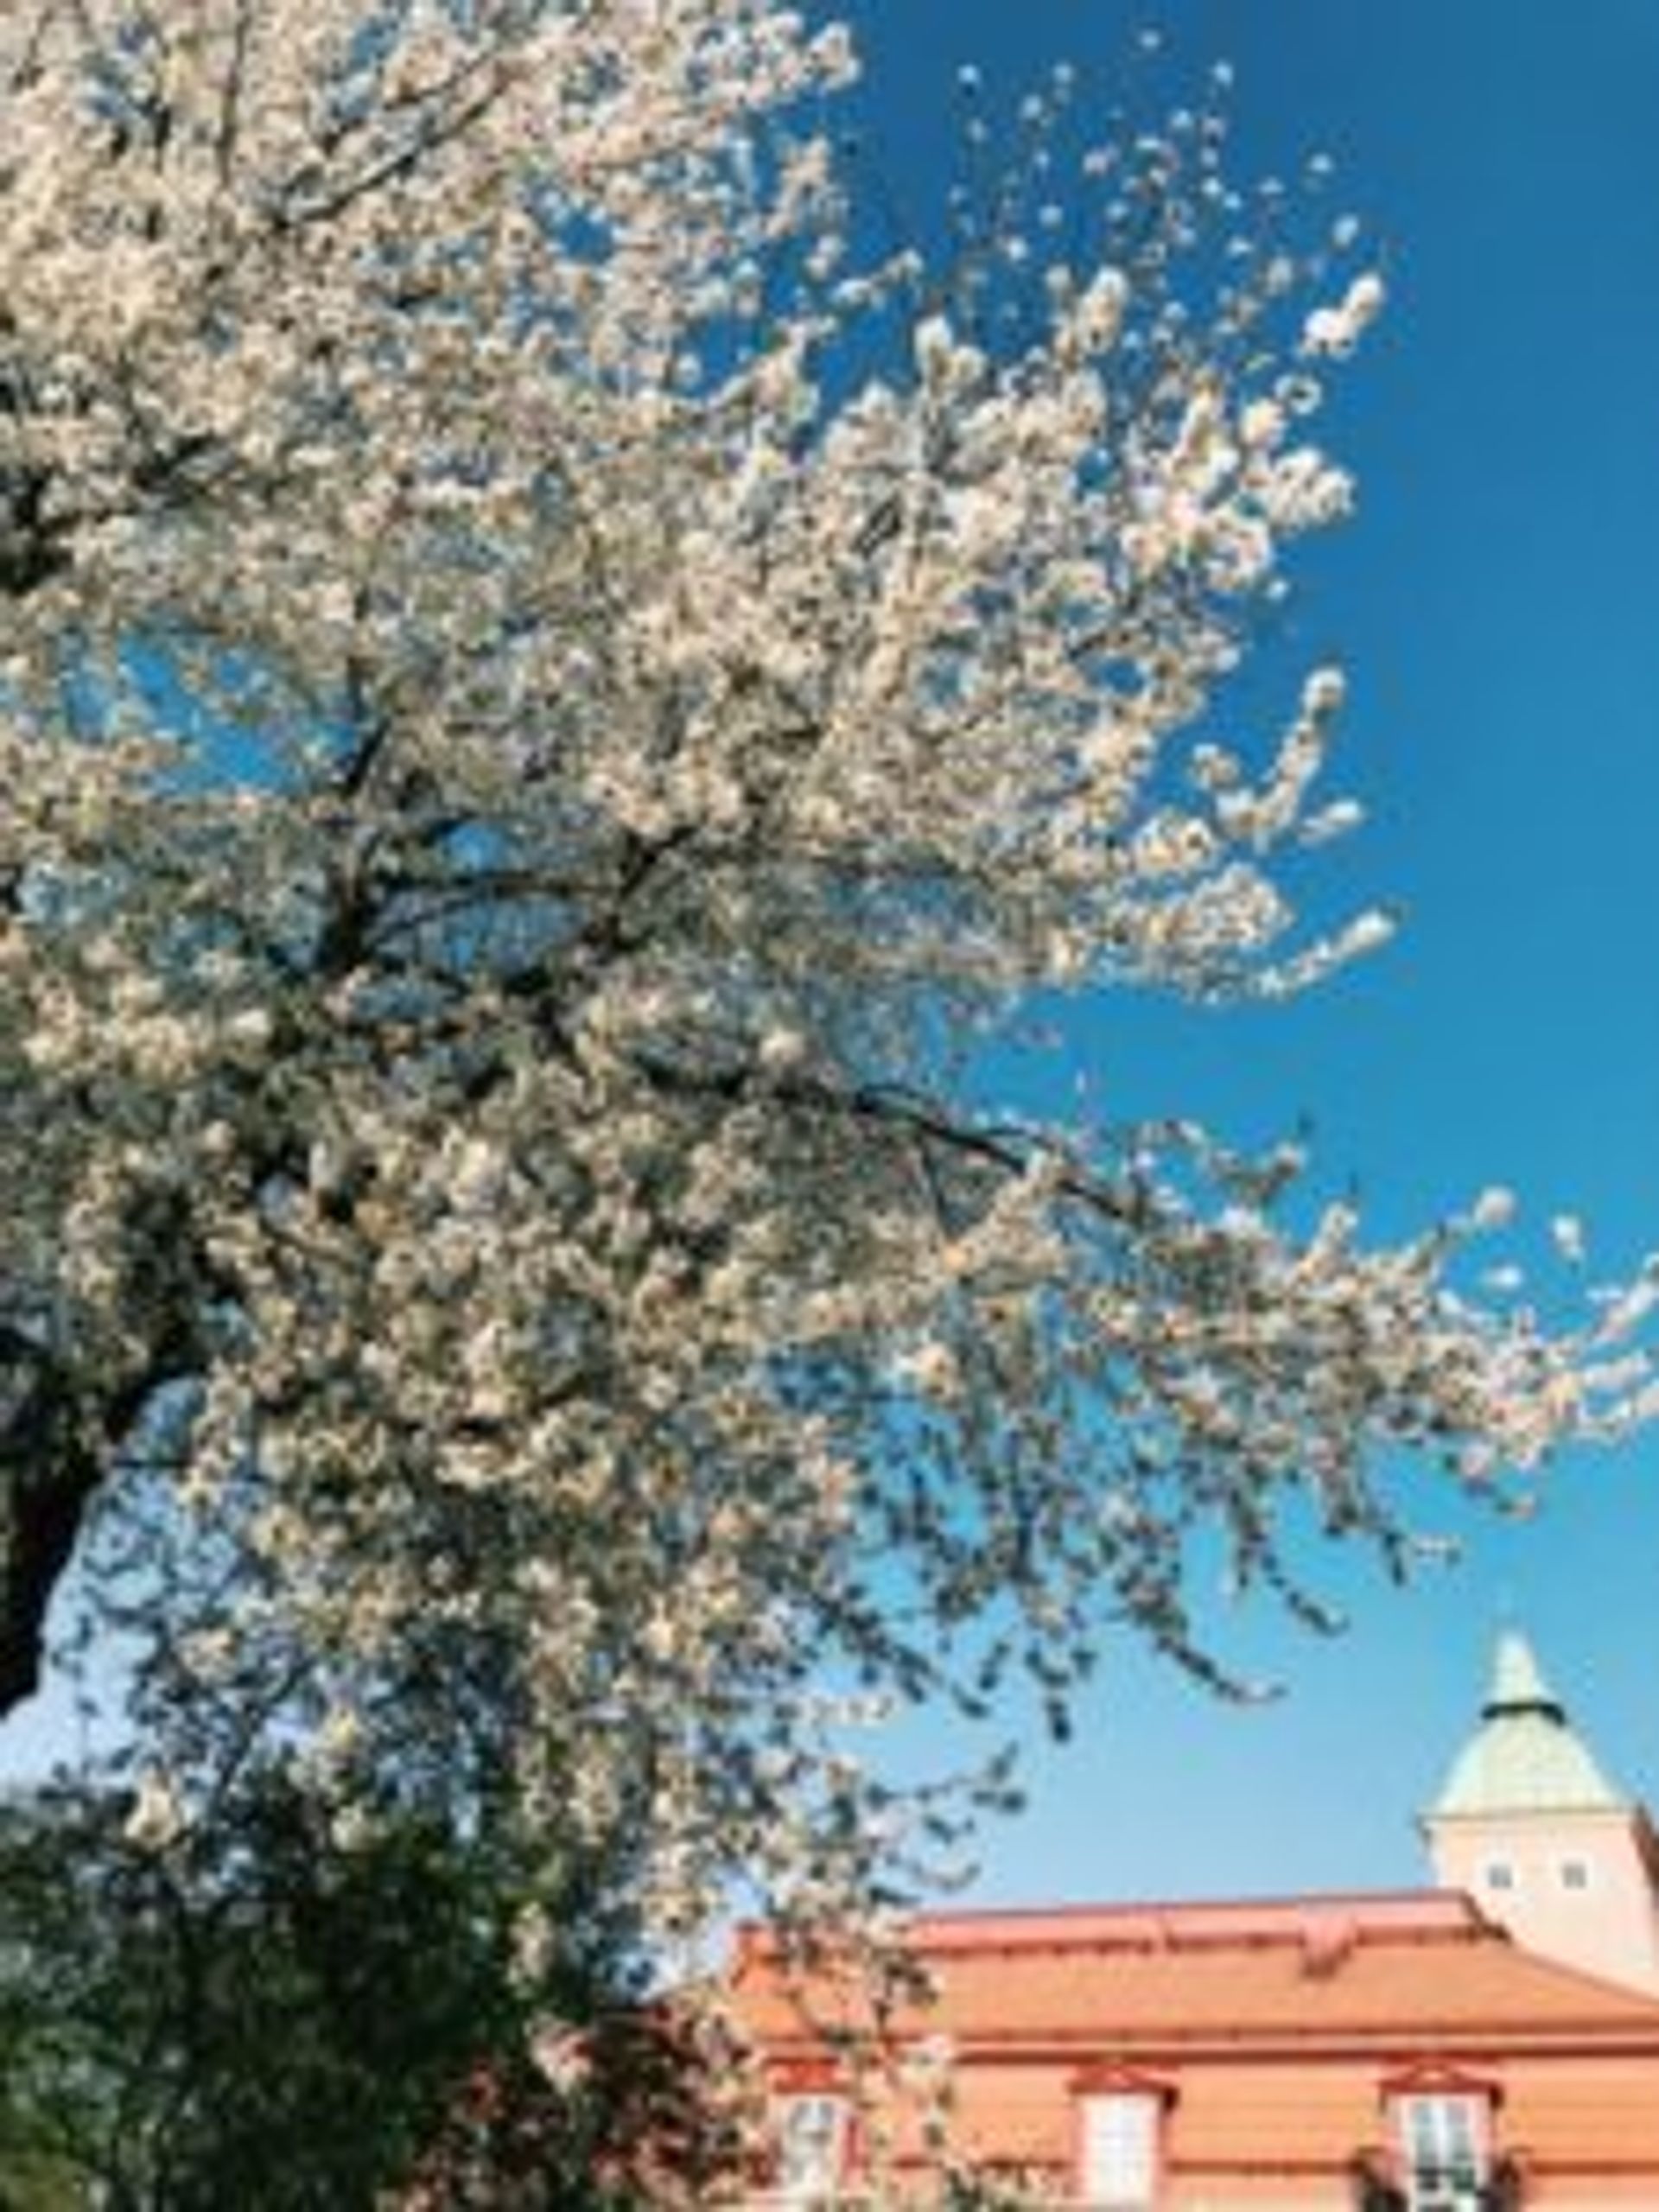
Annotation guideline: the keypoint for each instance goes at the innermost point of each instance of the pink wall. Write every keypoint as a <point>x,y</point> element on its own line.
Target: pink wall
<point>1248,2131</point>
<point>1608,1927</point>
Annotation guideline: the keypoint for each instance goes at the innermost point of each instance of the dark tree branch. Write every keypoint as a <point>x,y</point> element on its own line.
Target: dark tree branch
<point>48,1475</point>
<point>60,1437</point>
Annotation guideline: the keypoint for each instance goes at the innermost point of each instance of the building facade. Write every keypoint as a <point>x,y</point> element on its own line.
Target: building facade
<point>1527,1823</point>
<point>1487,2045</point>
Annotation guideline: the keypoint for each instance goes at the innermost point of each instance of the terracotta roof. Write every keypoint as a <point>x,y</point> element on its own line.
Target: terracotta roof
<point>1315,1971</point>
<point>1189,1922</point>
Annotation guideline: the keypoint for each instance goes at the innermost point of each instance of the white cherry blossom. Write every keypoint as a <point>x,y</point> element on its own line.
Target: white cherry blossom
<point>530,768</point>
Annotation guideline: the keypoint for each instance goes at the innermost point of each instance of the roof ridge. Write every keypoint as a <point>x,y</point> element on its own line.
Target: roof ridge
<point>1288,1901</point>
<point>1290,1936</point>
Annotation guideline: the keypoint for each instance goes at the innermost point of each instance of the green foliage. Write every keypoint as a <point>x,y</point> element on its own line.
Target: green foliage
<point>970,2189</point>
<point>253,2017</point>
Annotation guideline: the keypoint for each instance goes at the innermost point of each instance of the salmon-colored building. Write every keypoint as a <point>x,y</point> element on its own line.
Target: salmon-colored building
<point>1490,2043</point>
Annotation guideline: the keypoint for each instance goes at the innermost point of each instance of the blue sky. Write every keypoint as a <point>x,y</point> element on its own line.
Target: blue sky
<point>1497,605</point>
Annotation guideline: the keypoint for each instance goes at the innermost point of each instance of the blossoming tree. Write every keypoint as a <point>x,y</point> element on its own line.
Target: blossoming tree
<point>550,701</point>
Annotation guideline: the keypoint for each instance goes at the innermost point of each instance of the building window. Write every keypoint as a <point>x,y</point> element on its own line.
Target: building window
<point>1575,1873</point>
<point>1444,2151</point>
<point>811,2134</point>
<point>1500,1875</point>
<point>1120,2132</point>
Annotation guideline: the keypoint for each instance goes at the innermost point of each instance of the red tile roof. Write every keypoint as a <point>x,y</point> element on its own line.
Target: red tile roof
<point>1409,1970</point>
<point>1279,2031</point>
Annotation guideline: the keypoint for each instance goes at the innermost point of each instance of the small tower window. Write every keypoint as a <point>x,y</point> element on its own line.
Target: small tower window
<point>1499,1874</point>
<point>1575,1873</point>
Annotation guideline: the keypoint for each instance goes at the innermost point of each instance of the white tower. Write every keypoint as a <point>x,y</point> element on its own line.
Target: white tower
<point>1528,1825</point>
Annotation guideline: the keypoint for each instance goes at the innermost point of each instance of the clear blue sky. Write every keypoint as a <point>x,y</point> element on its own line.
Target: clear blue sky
<point>1497,603</point>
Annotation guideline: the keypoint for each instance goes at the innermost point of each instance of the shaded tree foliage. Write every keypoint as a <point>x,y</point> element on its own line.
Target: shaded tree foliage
<point>259,2017</point>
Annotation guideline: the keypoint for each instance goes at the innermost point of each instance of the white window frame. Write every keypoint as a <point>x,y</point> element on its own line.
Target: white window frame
<point>811,2159</point>
<point>1119,2149</point>
<point>1454,2127</point>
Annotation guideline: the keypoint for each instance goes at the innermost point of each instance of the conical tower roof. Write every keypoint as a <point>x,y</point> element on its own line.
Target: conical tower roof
<point>1525,1757</point>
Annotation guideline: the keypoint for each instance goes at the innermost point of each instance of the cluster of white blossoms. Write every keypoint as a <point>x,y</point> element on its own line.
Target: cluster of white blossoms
<point>522,751</point>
